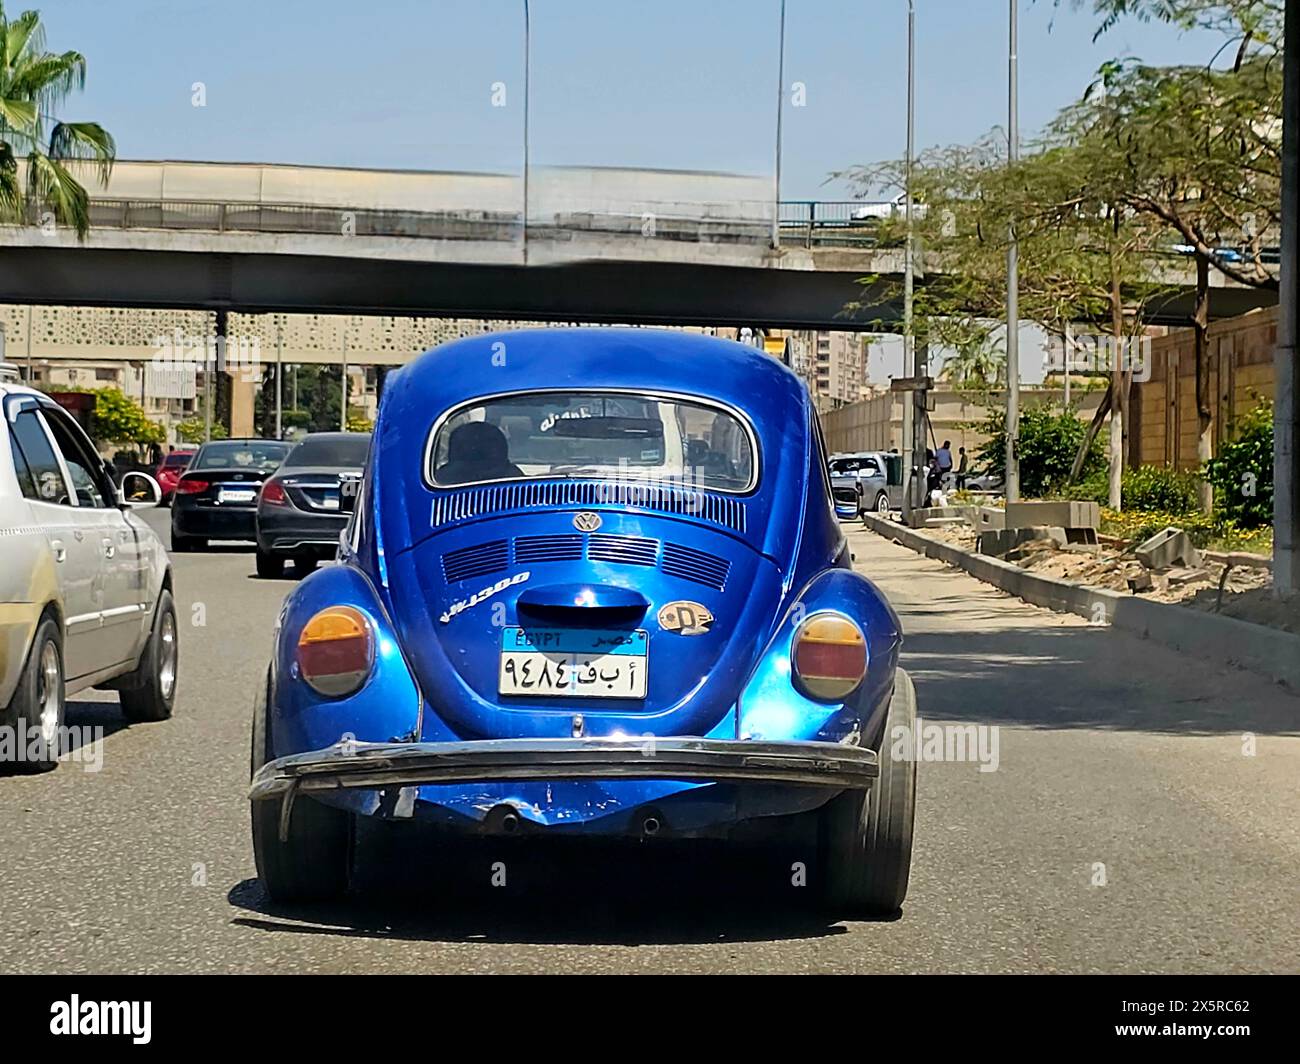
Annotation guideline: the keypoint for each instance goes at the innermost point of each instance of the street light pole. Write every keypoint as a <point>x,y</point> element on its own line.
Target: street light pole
<point>528,48</point>
<point>1013,272</point>
<point>1286,416</point>
<point>780,107</point>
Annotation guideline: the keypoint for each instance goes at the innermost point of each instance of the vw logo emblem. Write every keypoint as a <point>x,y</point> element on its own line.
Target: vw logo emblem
<point>586,521</point>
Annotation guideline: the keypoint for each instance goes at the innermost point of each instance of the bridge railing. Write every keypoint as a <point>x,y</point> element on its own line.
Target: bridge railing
<point>830,223</point>
<point>305,218</point>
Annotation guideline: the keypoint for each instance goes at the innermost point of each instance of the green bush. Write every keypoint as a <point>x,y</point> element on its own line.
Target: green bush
<point>1158,488</point>
<point>1242,474</point>
<point>1049,439</point>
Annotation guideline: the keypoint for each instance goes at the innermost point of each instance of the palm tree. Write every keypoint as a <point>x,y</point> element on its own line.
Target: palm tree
<point>33,83</point>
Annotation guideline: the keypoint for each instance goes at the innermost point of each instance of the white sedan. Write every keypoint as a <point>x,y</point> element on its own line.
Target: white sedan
<point>85,584</point>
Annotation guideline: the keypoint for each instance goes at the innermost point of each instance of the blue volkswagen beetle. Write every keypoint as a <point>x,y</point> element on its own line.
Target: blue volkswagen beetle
<point>593,584</point>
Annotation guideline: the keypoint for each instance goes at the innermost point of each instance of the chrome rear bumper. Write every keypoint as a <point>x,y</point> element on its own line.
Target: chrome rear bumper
<point>379,765</point>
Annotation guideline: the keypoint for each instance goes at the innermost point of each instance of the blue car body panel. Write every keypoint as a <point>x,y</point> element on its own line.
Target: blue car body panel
<point>441,572</point>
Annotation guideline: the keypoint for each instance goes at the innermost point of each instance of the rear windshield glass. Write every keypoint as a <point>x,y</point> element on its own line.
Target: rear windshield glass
<point>178,459</point>
<point>346,452</point>
<point>262,455</point>
<point>594,434</point>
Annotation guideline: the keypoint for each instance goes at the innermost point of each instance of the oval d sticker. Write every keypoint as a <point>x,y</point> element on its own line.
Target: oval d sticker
<point>684,618</point>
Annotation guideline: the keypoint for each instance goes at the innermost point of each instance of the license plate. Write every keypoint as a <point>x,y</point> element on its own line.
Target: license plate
<point>236,495</point>
<point>573,663</point>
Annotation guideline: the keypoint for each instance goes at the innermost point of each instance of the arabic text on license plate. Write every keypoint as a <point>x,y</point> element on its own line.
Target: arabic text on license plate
<point>236,495</point>
<point>573,663</point>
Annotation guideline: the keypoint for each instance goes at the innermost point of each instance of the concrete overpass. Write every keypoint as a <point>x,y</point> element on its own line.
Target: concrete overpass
<point>612,245</point>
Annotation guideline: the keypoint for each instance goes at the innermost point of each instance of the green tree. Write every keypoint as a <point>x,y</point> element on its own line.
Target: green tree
<point>33,83</point>
<point>1050,437</point>
<point>117,418</point>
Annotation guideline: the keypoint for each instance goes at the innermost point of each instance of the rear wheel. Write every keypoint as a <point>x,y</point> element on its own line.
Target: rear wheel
<point>882,504</point>
<point>37,706</point>
<point>315,861</point>
<point>149,692</point>
<point>269,565</point>
<point>866,840</point>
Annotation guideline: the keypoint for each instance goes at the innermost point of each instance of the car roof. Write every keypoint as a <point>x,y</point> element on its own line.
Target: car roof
<point>9,388</point>
<point>596,359</point>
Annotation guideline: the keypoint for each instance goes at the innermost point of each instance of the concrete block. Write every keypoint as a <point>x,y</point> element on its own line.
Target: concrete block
<point>1168,548</point>
<point>1146,580</point>
<point>1056,514</point>
<point>988,518</point>
<point>996,542</point>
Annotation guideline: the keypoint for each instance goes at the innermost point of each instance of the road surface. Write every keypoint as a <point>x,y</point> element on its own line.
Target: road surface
<point>1126,829</point>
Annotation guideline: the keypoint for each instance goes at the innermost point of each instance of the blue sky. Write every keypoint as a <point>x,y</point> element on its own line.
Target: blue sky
<point>674,83</point>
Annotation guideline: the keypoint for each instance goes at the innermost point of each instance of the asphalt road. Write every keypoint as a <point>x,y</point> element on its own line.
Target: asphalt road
<point>1116,759</point>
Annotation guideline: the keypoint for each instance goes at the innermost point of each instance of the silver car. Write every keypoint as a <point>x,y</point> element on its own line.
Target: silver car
<point>85,585</point>
<point>868,480</point>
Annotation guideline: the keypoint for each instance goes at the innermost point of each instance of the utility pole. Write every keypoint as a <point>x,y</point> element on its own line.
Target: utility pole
<point>780,107</point>
<point>343,387</point>
<point>1013,270</point>
<point>279,379</point>
<point>910,360</point>
<point>1286,416</point>
<point>528,49</point>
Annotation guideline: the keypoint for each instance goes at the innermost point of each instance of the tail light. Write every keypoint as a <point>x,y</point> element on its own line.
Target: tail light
<point>830,657</point>
<point>188,486</point>
<point>273,493</point>
<point>336,651</point>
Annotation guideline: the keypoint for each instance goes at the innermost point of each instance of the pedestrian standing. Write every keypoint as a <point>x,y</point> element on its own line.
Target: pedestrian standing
<point>962,459</point>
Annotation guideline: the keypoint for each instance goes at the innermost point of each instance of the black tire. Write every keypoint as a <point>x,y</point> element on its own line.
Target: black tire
<point>304,564</point>
<point>269,566</point>
<point>315,862</point>
<point>30,701</point>
<point>866,840</point>
<point>882,505</point>
<point>149,693</point>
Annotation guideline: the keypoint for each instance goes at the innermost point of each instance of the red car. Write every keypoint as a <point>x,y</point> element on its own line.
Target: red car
<point>170,470</point>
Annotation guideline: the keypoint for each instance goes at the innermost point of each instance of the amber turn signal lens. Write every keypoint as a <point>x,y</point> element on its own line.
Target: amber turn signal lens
<point>336,651</point>
<point>830,657</point>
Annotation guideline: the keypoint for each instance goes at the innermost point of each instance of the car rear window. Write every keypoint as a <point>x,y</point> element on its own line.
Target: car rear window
<point>260,455</point>
<point>178,459</point>
<point>346,452</point>
<point>595,435</point>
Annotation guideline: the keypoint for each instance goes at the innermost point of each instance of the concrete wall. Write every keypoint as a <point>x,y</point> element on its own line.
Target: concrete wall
<point>876,424</point>
<point>1163,409</point>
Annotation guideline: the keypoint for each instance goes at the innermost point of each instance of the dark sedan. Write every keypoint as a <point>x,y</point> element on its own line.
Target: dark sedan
<point>216,497</point>
<point>306,504</point>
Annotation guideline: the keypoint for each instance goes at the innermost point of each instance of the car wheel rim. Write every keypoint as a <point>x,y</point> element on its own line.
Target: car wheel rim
<point>882,505</point>
<point>167,656</point>
<point>47,694</point>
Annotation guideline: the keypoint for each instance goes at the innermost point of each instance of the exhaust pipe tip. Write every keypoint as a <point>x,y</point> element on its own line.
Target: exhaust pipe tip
<point>510,823</point>
<point>650,826</point>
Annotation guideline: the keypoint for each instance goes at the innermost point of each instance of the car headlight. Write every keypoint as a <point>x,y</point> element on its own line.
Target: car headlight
<point>336,650</point>
<point>829,657</point>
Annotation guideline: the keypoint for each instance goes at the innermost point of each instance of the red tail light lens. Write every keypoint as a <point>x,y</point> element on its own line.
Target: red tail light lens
<point>273,493</point>
<point>188,486</point>
<point>830,657</point>
<point>336,651</point>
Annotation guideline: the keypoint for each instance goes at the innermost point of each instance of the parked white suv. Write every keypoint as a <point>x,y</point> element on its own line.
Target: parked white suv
<point>85,584</point>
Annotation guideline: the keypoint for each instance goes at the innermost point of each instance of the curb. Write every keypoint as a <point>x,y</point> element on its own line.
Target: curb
<point>1224,640</point>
